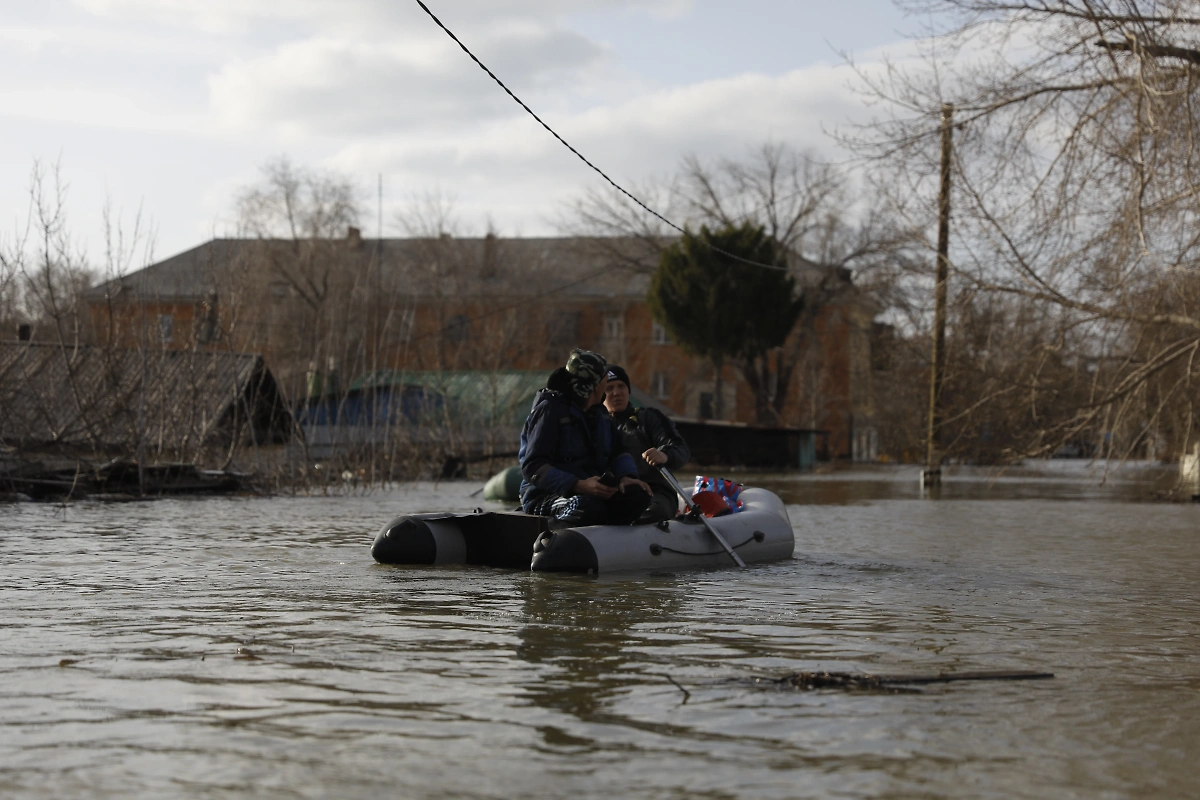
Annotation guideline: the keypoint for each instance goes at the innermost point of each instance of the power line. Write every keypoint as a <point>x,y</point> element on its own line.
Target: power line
<point>579,155</point>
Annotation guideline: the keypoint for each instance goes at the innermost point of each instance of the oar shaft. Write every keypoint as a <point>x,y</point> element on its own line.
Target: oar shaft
<point>666,473</point>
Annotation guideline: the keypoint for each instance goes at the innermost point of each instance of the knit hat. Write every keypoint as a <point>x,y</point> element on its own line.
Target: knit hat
<point>586,369</point>
<point>616,373</point>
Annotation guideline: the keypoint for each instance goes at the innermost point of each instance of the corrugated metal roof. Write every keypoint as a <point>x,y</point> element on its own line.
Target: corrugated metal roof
<point>91,396</point>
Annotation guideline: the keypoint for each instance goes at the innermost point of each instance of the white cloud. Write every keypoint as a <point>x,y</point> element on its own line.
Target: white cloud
<point>669,9</point>
<point>514,171</point>
<point>372,86</point>
<point>73,41</point>
<point>211,16</point>
<point>645,133</point>
<point>30,40</point>
<point>338,86</point>
<point>98,108</point>
<point>238,16</point>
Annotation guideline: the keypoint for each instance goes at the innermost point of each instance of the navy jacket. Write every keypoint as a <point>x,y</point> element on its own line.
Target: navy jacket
<point>561,444</point>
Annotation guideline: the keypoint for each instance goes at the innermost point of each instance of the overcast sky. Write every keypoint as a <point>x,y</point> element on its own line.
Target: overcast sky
<point>172,105</point>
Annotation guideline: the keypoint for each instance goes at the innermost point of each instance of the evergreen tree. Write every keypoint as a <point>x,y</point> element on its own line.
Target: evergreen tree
<point>725,310</point>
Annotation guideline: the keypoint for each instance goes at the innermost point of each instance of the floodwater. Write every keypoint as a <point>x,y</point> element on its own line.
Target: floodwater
<point>251,648</point>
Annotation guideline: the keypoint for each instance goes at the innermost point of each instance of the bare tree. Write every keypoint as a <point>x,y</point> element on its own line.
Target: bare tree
<point>46,275</point>
<point>430,215</point>
<point>43,272</point>
<point>1075,198</point>
<point>304,222</point>
<point>611,223</point>
<point>808,206</point>
<point>298,203</point>
<point>300,209</point>
<point>10,288</point>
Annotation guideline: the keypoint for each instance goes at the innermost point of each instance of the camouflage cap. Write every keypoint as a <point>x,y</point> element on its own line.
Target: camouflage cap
<point>586,370</point>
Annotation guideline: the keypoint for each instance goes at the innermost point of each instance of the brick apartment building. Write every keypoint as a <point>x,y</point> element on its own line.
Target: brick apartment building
<point>324,312</point>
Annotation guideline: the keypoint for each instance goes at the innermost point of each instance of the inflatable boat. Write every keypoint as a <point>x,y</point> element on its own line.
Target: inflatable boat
<point>504,486</point>
<point>761,531</point>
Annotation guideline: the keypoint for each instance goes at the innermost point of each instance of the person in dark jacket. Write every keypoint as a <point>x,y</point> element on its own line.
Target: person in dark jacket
<point>653,441</point>
<point>573,465</point>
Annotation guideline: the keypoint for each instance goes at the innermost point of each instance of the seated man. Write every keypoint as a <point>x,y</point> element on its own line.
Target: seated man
<point>652,439</point>
<point>573,465</point>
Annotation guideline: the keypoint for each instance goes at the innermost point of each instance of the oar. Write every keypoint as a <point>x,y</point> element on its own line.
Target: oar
<point>666,473</point>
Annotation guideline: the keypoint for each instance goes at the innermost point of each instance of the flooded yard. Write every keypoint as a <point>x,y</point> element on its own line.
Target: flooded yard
<point>250,647</point>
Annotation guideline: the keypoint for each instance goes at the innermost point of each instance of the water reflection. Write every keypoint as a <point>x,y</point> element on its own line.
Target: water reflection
<point>1035,480</point>
<point>582,636</point>
<point>438,682</point>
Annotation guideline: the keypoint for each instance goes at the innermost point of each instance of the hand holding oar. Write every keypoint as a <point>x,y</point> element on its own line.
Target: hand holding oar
<point>666,473</point>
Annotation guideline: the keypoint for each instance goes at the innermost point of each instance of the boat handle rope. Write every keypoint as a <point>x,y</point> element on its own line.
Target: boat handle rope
<point>687,501</point>
<point>656,548</point>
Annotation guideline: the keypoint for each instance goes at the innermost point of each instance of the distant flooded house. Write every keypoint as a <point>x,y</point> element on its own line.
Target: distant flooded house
<point>326,313</point>
<point>169,405</point>
<point>472,413</point>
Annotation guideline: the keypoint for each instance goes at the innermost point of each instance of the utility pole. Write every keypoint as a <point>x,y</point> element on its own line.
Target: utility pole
<point>932,475</point>
<point>377,289</point>
<point>377,335</point>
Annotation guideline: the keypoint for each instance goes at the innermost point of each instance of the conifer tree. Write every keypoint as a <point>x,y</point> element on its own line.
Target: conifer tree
<point>722,309</point>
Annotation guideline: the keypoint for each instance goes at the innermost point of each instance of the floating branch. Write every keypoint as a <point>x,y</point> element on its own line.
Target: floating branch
<point>686,694</point>
<point>849,680</point>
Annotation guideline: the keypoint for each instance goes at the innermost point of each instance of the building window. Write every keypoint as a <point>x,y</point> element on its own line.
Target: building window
<point>660,384</point>
<point>658,334</point>
<point>458,330</point>
<point>166,327</point>
<point>614,326</point>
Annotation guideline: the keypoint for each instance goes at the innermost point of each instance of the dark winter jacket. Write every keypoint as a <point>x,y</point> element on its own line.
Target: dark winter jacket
<point>561,444</point>
<point>643,428</point>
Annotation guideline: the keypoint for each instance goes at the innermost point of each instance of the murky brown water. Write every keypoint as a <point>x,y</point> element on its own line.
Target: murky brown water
<point>372,681</point>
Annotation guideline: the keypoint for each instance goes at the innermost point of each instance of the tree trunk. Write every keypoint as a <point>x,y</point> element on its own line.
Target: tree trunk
<point>757,373</point>
<point>784,367</point>
<point>718,398</point>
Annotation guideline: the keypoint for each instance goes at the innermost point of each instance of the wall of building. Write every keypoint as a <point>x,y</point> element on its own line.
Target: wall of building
<point>462,326</point>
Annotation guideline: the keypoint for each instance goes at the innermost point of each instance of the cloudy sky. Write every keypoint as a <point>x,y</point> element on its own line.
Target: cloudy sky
<point>172,105</point>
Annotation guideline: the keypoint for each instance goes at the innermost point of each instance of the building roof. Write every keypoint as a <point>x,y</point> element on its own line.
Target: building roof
<point>100,397</point>
<point>191,274</point>
<point>445,266</point>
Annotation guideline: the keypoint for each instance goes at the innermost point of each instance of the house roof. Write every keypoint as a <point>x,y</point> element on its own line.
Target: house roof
<point>492,266</point>
<point>101,397</point>
<point>190,274</point>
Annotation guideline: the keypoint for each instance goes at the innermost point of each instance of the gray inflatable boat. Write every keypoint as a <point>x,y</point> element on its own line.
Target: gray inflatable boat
<point>760,532</point>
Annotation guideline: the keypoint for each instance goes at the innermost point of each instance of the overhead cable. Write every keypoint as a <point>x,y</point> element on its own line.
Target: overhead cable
<point>580,156</point>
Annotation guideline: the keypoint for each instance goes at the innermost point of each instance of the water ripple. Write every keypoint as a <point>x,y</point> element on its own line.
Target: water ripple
<point>247,647</point>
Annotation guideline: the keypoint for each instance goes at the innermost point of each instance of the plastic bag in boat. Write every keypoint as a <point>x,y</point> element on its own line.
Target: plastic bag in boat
<point>717,496</point>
